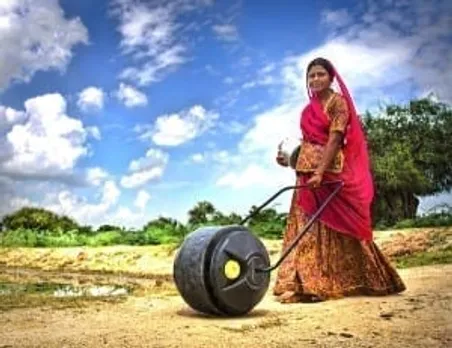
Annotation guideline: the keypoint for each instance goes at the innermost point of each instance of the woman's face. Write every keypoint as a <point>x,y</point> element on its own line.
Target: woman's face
<point>318,78</point>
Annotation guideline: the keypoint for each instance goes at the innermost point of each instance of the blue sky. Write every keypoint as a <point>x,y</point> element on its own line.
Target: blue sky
<point>127,110</point>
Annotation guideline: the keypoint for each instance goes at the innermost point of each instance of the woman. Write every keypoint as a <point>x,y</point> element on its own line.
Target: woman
<point>337,256</point>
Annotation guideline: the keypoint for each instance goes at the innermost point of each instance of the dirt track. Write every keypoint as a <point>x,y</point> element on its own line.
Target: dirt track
<point>420,317</point>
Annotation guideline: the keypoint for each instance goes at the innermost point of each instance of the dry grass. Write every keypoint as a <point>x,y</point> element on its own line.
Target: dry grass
<point>45,302</point>
<point>139,261</point>
<point>417,241</point>
<point>155,262</point>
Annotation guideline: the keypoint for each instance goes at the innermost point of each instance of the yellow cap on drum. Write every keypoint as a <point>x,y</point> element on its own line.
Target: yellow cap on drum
<point>232,269</point>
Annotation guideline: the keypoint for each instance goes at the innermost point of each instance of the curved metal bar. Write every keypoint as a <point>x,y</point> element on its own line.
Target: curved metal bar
<point>305,228</point>
<point>284,189</point>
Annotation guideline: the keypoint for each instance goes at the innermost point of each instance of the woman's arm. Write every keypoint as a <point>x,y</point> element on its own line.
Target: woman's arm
<point>331,150</point>
<point>339,121</point>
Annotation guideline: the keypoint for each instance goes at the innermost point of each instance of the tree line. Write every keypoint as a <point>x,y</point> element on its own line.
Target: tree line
<point>411,154</point>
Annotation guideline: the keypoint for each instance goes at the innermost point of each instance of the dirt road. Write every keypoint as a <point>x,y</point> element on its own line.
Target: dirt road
<point>420,317</point>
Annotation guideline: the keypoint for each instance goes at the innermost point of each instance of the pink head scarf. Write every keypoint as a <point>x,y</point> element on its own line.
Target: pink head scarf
<point>350,211</point>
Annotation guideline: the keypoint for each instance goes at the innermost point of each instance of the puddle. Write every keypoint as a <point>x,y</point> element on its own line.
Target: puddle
<point>63,290</point>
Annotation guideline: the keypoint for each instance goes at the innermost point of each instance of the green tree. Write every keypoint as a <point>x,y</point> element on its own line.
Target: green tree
<point>219,218</point>
<point>267,223</point>
<point>108,228</point>
<point>411,156</point>
<point>86,230</point>
<point>202,213</point>
<point>169,227</point>
<point>38,219</point>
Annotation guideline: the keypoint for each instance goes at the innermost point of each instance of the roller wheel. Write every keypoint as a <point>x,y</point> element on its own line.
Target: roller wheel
<point>215,270</point>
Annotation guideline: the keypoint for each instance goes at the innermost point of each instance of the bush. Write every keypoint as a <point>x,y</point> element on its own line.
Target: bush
<point>268,230</point>
<point>268,225</point>
<point>432,220</point>
<point>37,219</point>
<point>105,239</point>
<point>19,238</point>
<point>61,239</point>
<point>425,258</point>
<point>155,236</point>
<point>45,238</point>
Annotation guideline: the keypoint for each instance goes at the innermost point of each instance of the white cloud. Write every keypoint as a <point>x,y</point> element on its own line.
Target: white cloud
<point>10,200</point>
<point>263,81</point>
<point>418,34</point>
<point>110,193</point>
<point>141,178</point>
<point>9,117</point>
<point>149,72</point>
<point>152,35</point>
<point>198,158</point>
<point>228,80</point>
<point>67,202</point>
<point>229,99</point>
<point>94,132</point>
<point>232,127</point>
<point>91,98</point>
<point>211,70</point>
<point>145,169</point>
<point>392,49</point>
<point>79,208</point>
<point>268,68</point>
<point>265,77</point>
<point>130,96</point>
<point>338,18</point>
<point>253,175</point>
<point>370,59</point>
<point>226,32</point>
<point>36,36</point>
<point>41,132</point>
<point>96,175</point>
<point>102,208</point>
<point>245,61</point>
<point>269,129</point>
<point>223,158</point>
<point>253,165</point>
<point>178,128</point>
<point>366,70</point>
<point>124,216</point>
<point>142,199</point>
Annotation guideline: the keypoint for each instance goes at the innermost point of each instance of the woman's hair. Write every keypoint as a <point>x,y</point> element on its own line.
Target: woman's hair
<point>325,63</point>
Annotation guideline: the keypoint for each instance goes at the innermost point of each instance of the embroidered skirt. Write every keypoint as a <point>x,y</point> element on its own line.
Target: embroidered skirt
<point>328,264</point>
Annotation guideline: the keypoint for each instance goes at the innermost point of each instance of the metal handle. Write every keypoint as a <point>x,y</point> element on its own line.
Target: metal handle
<point>340,184</point>
<point>284,189</point>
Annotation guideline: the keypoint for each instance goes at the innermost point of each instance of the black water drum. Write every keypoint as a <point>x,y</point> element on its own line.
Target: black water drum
<point>215,270</point>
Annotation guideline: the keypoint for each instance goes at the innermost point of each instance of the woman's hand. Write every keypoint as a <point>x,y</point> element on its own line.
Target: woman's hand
<point>282,160</point>
<point>315,180</point>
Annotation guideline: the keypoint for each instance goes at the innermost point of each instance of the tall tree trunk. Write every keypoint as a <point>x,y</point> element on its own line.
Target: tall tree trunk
<point>391,207</point>
<point>404,209</point>
<point>409,205</point>
<point>412,205</point>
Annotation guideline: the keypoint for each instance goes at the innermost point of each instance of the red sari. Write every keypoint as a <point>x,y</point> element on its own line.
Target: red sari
<point>337,257</point>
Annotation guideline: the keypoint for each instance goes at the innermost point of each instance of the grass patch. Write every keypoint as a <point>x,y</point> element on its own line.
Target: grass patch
<point>425,258</point>
<point>21,300</point>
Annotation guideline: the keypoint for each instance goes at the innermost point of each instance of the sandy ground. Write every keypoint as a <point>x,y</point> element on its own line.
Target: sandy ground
<point>420,317</point>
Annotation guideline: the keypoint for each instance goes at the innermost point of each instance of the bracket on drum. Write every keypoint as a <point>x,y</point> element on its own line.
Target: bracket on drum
<point>226,270</point>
